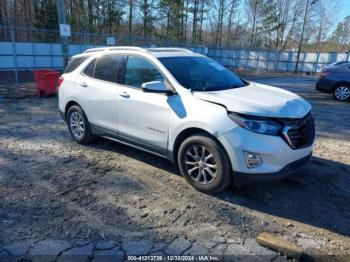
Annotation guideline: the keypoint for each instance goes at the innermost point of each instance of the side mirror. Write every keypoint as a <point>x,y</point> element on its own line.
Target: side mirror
<point>155,87</point>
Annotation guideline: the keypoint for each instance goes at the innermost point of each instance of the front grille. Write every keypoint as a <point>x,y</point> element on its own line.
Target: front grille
<point>300,132</point>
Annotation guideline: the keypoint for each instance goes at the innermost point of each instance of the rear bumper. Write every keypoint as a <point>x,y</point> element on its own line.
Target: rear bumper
<point>242,179</point>
<point>325,85</point>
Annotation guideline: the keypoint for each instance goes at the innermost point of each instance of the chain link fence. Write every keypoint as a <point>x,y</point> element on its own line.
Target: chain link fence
<point>25,49</point>
<point>23,34</point>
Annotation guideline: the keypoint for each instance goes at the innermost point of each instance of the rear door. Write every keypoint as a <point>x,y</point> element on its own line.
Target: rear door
<point>98,86</point>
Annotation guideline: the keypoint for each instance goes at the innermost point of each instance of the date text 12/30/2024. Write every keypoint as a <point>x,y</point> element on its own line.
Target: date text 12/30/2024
<point>173,258</point>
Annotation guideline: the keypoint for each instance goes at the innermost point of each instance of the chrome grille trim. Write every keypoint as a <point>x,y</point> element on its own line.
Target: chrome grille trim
<point>299,132</point>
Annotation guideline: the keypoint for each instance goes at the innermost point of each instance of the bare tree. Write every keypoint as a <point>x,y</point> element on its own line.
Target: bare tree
<point>253,9</point>
<point>325,19</point>
<point>233,8</point>
<point>195,20</point>
<point>220,8</point>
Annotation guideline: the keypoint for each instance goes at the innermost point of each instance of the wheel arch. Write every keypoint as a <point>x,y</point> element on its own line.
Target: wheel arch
<point>184,134</point>
<point>343,82</point>
<point>68,105</point>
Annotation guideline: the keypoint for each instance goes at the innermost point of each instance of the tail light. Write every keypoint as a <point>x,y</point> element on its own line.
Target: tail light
<point>323,74</point>
<point>60,81</point>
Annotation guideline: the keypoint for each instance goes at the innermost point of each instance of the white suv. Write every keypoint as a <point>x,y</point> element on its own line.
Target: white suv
<point>185,107</point>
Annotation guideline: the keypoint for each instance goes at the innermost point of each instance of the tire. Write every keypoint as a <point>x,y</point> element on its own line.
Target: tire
<point>342,92</point>
<point>195,166</point>
<point>78,125</point>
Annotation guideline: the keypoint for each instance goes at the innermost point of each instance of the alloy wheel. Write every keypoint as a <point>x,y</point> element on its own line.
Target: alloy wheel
<point>200,164</point>
<point>342,93</point>
<point>76,123</point>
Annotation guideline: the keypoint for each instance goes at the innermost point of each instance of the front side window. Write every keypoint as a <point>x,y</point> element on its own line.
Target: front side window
<point>201,73</point>
<point>139,71</point>
<point>107,67</point>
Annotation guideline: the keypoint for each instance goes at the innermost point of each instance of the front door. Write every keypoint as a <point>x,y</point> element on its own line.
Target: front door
<point>143,118</point>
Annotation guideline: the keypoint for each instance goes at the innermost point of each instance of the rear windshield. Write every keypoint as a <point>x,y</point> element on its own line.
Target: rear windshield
<point>201,73</point>
<point>74,63</point>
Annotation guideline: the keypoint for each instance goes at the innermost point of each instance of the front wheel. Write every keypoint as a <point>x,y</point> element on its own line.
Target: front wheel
<point>342,92</point>
<point>204,164</point>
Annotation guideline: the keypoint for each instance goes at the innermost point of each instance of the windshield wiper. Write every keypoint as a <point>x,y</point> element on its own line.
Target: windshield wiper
<point>236,86</point>
<point>198,89</point>
<point>215,88</point>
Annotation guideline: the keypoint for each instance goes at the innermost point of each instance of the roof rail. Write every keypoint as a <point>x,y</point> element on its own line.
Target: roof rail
<point>94,49</point>
<point>135,48</point>
<point>169,49</point>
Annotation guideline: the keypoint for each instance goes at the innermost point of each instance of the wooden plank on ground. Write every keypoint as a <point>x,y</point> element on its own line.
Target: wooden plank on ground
<point>280,245</point>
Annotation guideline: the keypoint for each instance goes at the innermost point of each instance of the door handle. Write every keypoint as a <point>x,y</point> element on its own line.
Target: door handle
<point>124,94</point>
<point>83,84</point>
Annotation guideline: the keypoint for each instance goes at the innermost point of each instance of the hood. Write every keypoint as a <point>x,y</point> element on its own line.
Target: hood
<point>259,100</point>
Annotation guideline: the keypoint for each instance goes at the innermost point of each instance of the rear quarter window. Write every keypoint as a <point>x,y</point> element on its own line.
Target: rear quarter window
<point>74,63</point>
<point>89,71</point>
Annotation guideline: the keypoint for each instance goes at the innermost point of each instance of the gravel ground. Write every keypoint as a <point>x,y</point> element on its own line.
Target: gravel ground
<point>60,199</point>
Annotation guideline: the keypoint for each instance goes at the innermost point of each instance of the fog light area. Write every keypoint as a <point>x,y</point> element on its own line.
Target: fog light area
<point>252,159</point>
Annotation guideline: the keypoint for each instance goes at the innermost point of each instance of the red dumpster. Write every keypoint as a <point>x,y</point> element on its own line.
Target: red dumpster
<point>46,82</point>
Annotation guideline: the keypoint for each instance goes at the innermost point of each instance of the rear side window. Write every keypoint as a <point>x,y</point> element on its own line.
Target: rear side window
<point>107,67</point>
<point>74,63</point>
<point>139,71</point>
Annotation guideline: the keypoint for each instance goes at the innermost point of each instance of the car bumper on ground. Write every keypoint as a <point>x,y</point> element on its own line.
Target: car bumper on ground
<point>241,179</point>
<point>278,159</point>
<point>325,85</point>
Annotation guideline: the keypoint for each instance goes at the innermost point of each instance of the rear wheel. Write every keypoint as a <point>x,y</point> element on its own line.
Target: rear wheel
<point>204,164</point>
<point>342,92</point>
<point>79,126</point>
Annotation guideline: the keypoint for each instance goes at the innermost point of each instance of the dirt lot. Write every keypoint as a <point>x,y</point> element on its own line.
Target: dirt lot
<point>58,197</point>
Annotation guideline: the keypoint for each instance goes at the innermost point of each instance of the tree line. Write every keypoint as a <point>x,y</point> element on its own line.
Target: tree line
<point>268,24</point>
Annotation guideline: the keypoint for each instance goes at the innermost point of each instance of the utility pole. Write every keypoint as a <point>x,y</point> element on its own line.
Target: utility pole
<point>131,6</point>
<point>302,36</point>
<point>302,33</point>
<point>64,39</point>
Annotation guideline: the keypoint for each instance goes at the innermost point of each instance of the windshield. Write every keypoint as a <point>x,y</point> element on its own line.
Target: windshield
<point>201,73</point>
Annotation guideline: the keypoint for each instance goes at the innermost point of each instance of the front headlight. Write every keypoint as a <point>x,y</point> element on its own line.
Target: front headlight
<point>256,125</point>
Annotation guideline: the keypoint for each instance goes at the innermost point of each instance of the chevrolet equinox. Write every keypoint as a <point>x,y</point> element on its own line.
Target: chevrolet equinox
<point>180,105</point>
